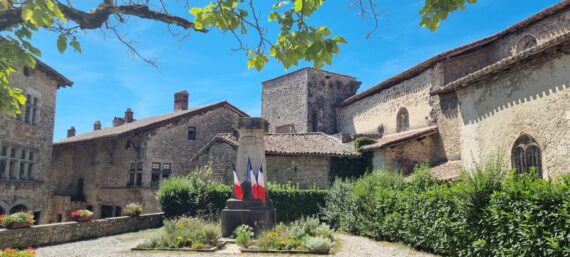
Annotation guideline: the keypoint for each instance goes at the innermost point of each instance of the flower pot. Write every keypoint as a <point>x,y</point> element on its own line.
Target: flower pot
<point>80,219</point>
<point>16,225</point>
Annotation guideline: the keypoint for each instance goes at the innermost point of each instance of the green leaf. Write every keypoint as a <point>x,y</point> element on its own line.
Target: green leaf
<point>299,5</point>
<point>61,43</point>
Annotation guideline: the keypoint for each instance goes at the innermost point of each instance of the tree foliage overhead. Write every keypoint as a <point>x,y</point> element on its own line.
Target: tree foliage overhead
<point>297,39</point>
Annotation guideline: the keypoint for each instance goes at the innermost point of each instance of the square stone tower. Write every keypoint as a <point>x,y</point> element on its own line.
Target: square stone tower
<point>305,100</point>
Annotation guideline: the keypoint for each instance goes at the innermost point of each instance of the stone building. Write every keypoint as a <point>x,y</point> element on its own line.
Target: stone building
<point>26,142</point>
<point>306,159</point>
<point>107,168</point>
<point>305,100</point>
<point>502,95</point>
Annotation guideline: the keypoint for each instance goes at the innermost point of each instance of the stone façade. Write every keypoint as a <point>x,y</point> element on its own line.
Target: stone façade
<point>24,186</point>
<point>95,168</point>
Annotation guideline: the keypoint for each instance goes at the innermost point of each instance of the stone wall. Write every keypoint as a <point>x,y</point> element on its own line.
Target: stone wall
<point>281,169</point>
<point>326,92</point>
<point>306,99</point>
<point>58,233</point>
<point>530,98</point>
<point>367,114</point>
<point>405,157</point>
<point>543,30</point>
<point>284,101</point>
<point>306,171</point>
<point>30,192</point>
<point>103,165</point>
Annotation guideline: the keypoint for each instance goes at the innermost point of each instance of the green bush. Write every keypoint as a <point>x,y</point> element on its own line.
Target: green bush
<point>192,195</point>
<point>244,235</point>
<point>196,196</point>
<point>303,234</point>
<point>184,233</point>
<point>487,213</point>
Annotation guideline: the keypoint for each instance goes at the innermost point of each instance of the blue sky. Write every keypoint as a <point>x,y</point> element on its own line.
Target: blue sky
<point>108,79</point>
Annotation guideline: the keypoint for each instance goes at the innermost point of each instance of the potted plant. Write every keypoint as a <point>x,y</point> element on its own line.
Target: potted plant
<point>133,209</point>
<point>81,215</point>
<point>18,220</point>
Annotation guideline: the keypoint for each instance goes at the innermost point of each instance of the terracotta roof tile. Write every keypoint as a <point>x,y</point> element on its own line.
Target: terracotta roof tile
<point>402,137</point>
<point>317,144</point>
<point>147,123</point>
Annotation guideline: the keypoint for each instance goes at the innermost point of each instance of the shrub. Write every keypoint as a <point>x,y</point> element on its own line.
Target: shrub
<point>362,141</point>
<point>133,209</point>
<point>196,196</point>
<point>244,235</point>
<point>318,244</point>
<point>484,214</point>
<point>185,232</point>
<point>23,218</point>
<point>192,195</point>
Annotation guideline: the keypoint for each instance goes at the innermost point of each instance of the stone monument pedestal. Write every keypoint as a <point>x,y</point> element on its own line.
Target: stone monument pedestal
<point>249,210</point>
<point>255,214</point>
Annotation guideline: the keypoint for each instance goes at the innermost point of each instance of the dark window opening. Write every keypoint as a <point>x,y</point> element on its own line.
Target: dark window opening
<point>191,133</point>
<point>139,166</point>
<point>37,217</point>
<point>18,208</point>
<point>156,166</point>
<point>133,167</point>
<point>402,120</point>
<point>166,166</point>
<point>526,155</point>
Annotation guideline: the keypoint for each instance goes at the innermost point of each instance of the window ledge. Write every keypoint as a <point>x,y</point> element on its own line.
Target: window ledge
<point>18,181</point>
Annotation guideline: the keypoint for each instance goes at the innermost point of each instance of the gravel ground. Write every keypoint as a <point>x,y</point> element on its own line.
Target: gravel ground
<point>120,246</point>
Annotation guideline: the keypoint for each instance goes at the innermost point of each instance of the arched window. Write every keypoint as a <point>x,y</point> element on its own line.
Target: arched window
<point>526,154</point>
<point>402,120</point>
<point>2,211</point>
<point>526,42</point>
<point>18,208</point>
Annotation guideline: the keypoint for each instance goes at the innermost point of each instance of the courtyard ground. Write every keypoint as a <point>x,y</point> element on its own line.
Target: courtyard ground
<point>120,245</point>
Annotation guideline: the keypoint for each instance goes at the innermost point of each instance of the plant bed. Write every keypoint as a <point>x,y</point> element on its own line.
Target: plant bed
<point>185,249</point>
<point>81,215</point>
<point>133,210</point>
<point>184,234</point>
<point>305,236</point>
<point>29,252</point>
<point>18,220</point>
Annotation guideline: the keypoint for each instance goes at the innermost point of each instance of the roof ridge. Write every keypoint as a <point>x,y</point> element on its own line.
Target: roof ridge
<point>434,60</point>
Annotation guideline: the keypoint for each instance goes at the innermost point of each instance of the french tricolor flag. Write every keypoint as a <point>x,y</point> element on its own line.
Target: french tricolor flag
<point>237,186</point>
<point>261,185</point>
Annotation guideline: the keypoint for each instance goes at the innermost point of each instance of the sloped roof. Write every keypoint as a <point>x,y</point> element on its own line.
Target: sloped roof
<point>148,123</point>
<point>507,63</point>
<point>309,68</point>
<point>402,137</point>
<point>61,80</point>
<point>315,144</point>
<point>421,67</point>
<point>450,170</point>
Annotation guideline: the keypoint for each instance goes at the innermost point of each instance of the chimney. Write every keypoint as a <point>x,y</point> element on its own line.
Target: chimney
<point>181,101</point>
<point>97,125</point>
<point>71,132</point>
<point>129,115</point>
<point>118,121</point>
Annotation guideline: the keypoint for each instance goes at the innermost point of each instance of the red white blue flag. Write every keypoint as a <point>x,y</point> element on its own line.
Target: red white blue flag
<point>261,185</point>
<point>237,186</point>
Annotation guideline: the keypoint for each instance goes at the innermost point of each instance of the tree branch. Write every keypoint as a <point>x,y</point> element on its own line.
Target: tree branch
<point>96,19</point>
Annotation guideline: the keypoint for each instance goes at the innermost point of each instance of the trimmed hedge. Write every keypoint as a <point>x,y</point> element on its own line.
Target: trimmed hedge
<point>194,195</point>
<point>487,214</point>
